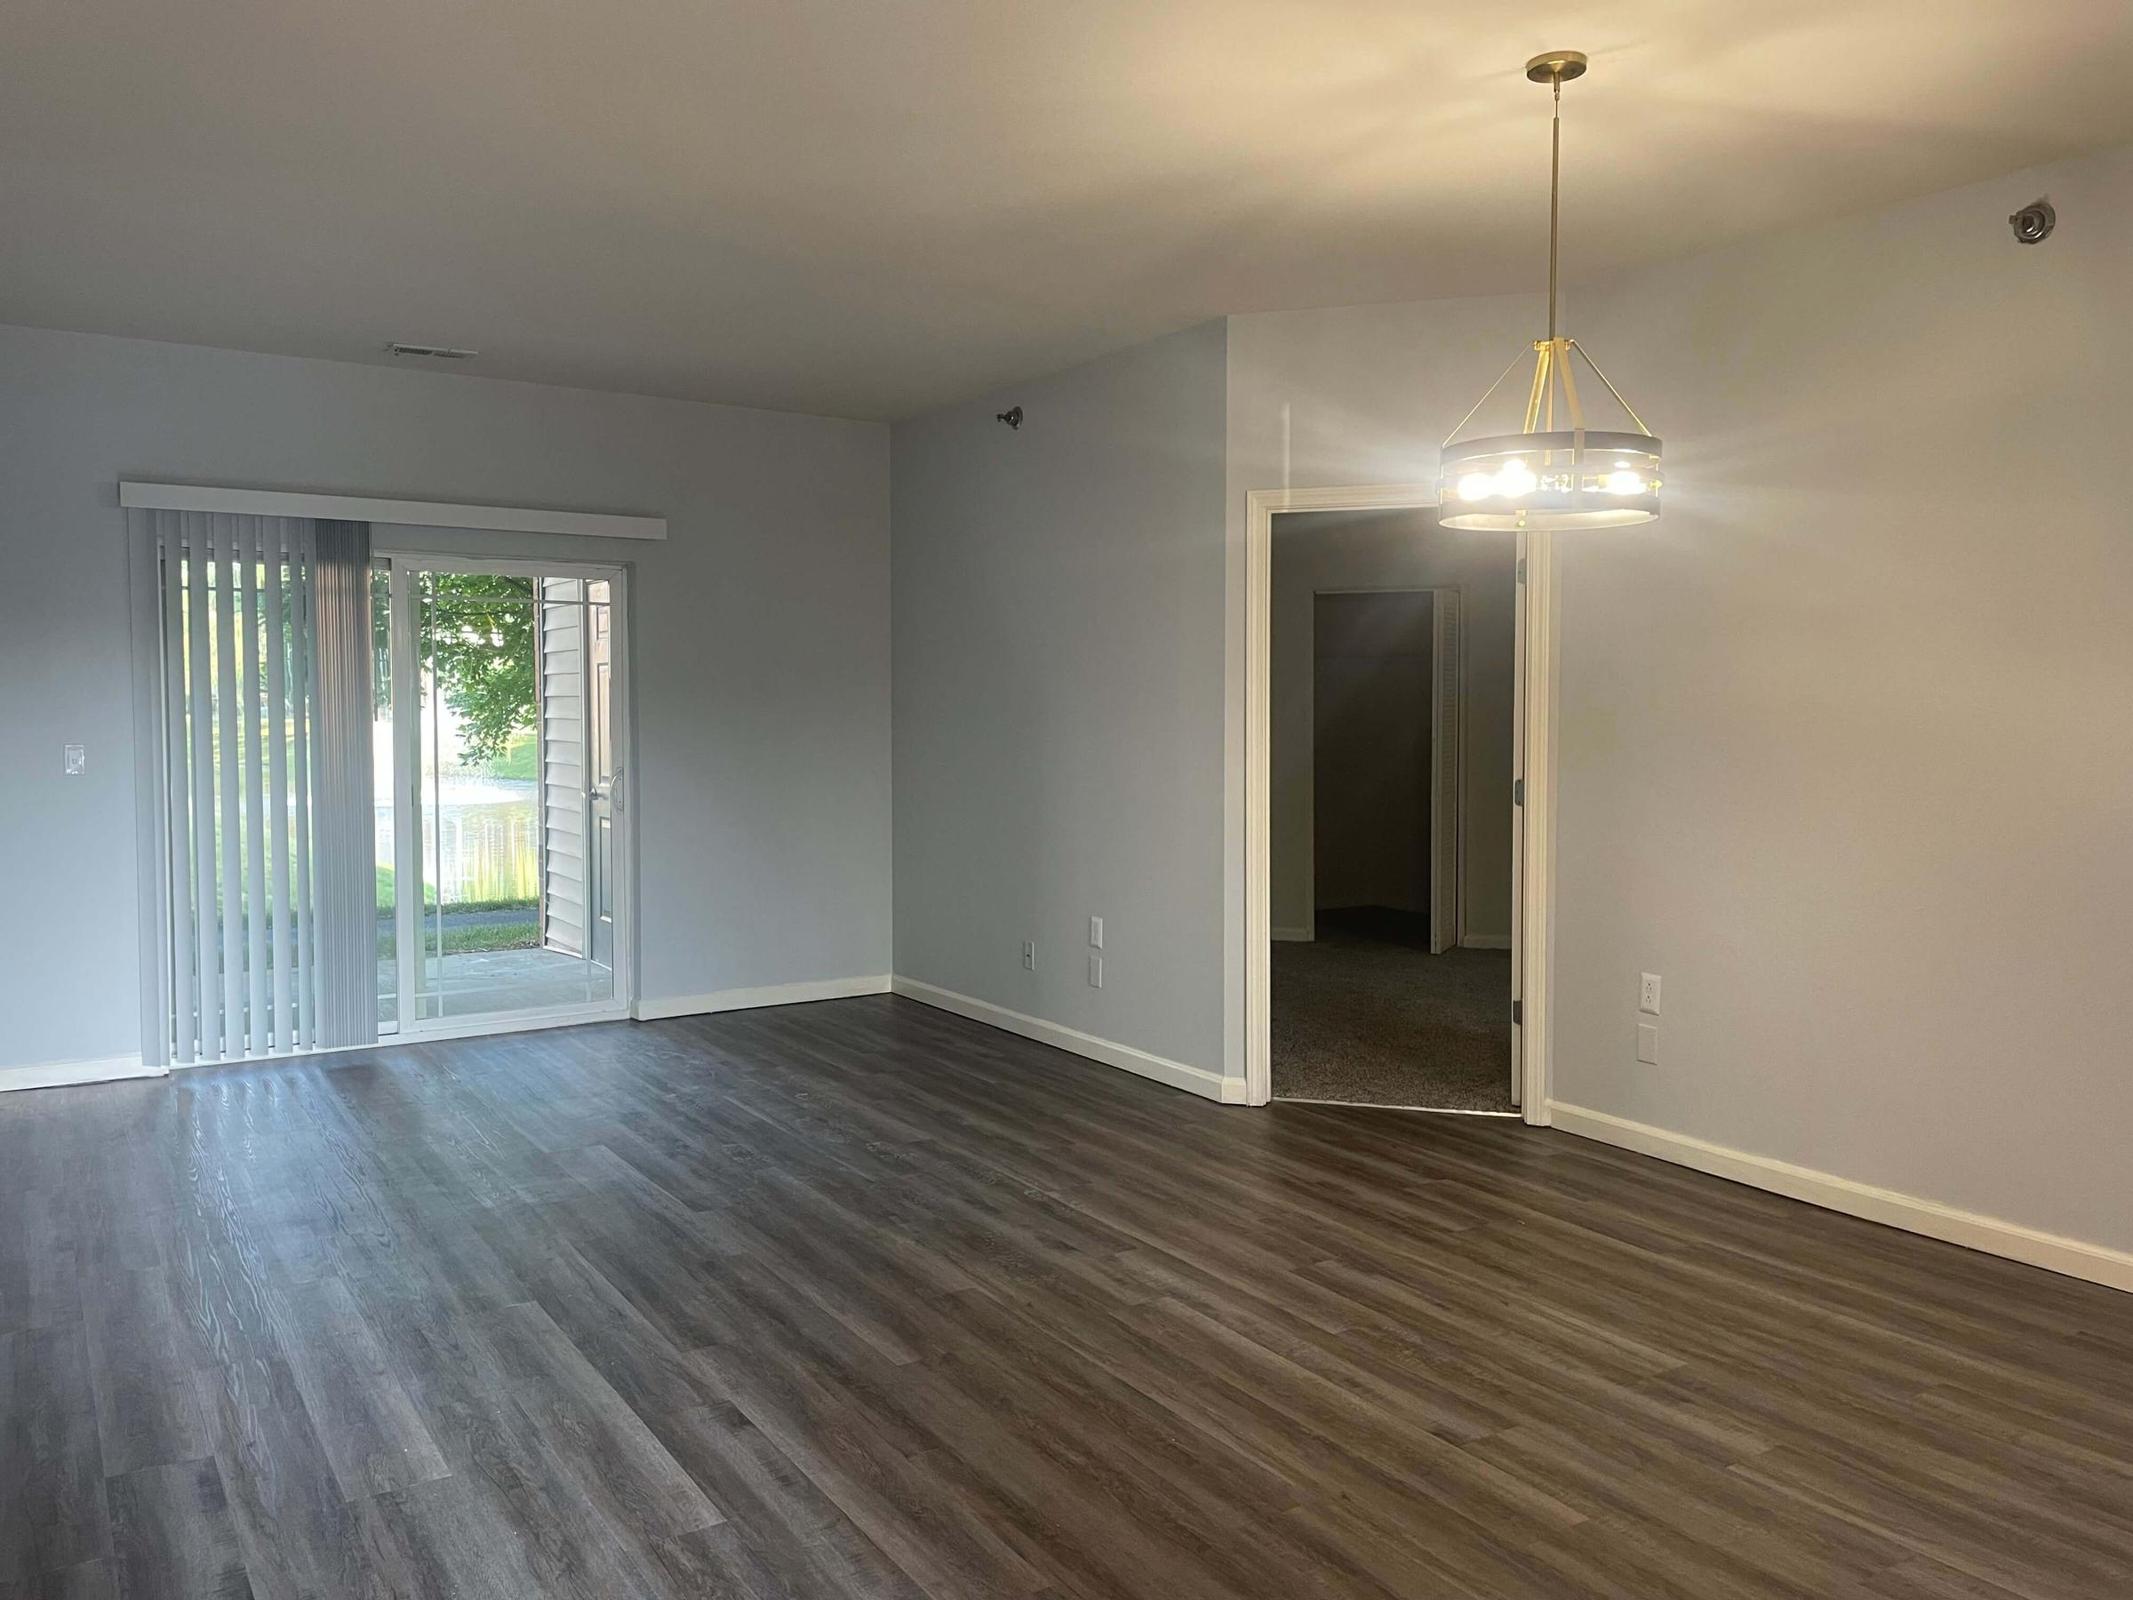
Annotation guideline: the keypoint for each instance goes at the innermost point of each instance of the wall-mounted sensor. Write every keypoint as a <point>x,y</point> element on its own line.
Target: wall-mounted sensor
<point>436,352</point>
<point>2033,224</point>
<point>1012,416</point>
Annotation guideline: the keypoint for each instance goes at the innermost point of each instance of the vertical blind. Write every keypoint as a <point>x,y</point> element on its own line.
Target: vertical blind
<point>267,894</point>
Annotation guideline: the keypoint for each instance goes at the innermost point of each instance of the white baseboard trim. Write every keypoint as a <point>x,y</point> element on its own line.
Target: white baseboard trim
<point>773,994</point>
<point>1484,941</point>
<point>1193,1080</point>
<point>2094,1262</point>
<point>59,1074</point>
<point>1292,935</point>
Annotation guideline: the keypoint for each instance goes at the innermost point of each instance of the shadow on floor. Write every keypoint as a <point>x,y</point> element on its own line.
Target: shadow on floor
<point>1364,1014</point>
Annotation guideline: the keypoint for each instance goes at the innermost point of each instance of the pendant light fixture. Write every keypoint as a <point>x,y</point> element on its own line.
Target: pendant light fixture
<point>1556,472</point>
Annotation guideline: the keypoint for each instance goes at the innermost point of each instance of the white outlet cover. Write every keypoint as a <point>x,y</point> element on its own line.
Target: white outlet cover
<point>1648,993</point>
<point>1648,1043</point>
<point>1096,970</point>
<point>1096,933</point>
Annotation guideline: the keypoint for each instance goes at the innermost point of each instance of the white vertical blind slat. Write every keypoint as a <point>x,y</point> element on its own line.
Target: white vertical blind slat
<point>305,975</point>
<point>230,846</point>
<point>177,788</point>
<point>200,729</point>
<point>259,1028</point>
<point>277,797</point>
<point>344,878</point>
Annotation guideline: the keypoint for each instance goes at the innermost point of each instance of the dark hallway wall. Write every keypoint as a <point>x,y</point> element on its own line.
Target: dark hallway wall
<point>1371,686</point>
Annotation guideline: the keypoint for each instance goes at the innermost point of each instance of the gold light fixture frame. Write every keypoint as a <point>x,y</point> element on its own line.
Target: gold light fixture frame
<point>1551,476</point>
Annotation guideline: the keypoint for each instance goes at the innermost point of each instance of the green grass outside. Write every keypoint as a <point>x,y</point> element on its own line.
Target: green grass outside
<point>488,936</point>
<point>386,901</point>
<point>519,759</point>
<point>470,941</point>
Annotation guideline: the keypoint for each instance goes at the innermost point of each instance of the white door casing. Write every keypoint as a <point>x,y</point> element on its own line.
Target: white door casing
<point>1447,743</point>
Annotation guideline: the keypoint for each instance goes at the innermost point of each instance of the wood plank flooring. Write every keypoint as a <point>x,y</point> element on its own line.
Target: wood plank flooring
<point>861,1299</point>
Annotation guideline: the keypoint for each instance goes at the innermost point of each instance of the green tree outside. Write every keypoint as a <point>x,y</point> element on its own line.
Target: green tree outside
<point>477,632</point>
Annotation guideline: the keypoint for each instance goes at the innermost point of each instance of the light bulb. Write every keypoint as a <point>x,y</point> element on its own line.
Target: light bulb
<point>1623,480</point>
<point>1516,479</point>
<point>1476,486</point>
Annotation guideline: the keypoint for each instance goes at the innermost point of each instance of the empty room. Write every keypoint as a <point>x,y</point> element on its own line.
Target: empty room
<point>987,802</point>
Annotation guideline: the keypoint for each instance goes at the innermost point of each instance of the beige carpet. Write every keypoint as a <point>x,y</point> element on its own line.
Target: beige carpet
<point>1366,1015</point>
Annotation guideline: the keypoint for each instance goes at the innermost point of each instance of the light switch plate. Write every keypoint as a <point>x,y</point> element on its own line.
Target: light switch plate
<point>1648,1043</point>
<point>1029,954</point>
<point>1096,970</point>
<point>1096,933</point>
<point>77,760</point>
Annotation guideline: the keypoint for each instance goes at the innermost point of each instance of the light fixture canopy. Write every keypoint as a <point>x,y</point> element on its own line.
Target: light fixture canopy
<point>1556,472</point>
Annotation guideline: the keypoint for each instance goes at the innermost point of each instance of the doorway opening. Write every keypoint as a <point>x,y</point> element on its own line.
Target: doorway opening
<point>1395,798</point>
<point>1391,705</point>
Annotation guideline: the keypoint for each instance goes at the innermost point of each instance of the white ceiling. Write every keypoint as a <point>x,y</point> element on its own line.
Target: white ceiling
<point>870,207</point>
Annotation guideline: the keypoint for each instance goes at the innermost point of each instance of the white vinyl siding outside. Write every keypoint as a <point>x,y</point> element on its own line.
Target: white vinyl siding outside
<point>562,765</point>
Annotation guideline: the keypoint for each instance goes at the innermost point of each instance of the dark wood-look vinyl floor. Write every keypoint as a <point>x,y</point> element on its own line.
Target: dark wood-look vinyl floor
<point>861,1299</point>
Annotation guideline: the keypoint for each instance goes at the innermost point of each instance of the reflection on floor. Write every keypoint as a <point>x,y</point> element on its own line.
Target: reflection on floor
<point>476,982</point>
<point>1364,1014</point>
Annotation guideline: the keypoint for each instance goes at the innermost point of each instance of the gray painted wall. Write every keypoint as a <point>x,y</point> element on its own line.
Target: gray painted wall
<point>1846,748</point>
<point>761,638</point>
<point>1336,550</point>
<point>1058,706</point>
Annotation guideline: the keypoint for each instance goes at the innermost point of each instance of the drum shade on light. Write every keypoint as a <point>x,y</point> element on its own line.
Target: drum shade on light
<point>1555,472</point>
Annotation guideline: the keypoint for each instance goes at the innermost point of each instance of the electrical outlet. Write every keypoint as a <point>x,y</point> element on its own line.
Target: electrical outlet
<point>1648,994</point>
<point>77,761</point>
<point>1029,955</point>
<point>1648,1043</point>
<point>1096,970</point>
<point>1096,933</point>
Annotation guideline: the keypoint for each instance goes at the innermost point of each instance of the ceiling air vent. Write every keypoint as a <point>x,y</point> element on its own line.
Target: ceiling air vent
<point>436,352</point>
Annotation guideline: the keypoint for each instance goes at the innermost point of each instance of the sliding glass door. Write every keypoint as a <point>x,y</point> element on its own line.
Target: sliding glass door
<point>499,794</point>
<point>388,788</point>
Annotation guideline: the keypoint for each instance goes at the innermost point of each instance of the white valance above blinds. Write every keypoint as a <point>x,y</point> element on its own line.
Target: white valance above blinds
<point>264,862</point>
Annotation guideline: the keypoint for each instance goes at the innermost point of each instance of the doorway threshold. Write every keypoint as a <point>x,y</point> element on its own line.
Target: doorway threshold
<point>1373,1105</point>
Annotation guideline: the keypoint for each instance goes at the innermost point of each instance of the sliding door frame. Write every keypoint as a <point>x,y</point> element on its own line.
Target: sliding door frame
<point>403,562</point>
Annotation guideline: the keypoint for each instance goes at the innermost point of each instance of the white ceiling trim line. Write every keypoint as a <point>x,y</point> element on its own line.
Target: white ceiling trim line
<point>371,508</point>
